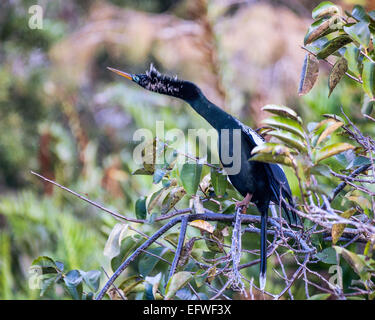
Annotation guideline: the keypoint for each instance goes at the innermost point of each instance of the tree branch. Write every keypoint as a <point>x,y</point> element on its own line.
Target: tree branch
<point>342,185</point>
<point>181,239</point>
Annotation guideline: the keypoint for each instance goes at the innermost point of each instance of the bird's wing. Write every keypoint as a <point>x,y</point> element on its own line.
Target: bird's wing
<point>253,137</point>
<point>275,172</point>
<point>280,186</point>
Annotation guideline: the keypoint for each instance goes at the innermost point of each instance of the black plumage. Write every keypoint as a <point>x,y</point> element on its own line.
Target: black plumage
<point>264,182</point>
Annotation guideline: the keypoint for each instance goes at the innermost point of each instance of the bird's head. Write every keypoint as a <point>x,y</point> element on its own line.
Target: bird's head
<point>153,80</point>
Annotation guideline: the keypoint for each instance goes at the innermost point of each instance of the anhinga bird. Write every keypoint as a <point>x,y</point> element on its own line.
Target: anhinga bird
<point>258,182</point>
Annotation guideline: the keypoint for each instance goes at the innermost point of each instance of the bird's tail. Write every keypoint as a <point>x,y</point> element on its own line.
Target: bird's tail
<point>263,250</point>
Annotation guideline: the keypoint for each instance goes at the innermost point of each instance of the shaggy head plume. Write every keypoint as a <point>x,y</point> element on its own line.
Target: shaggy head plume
<point>154,81</point>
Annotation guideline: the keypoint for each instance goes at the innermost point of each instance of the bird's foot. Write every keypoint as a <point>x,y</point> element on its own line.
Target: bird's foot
<point>244,203</point>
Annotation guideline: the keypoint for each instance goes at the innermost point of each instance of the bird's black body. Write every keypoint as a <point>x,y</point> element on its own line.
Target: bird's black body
<point>265,182</point>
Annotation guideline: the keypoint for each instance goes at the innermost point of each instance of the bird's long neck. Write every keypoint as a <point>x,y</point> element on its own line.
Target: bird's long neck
<point>215,116</point>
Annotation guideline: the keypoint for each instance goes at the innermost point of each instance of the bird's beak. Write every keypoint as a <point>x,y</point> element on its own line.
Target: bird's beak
<point>121,73</point>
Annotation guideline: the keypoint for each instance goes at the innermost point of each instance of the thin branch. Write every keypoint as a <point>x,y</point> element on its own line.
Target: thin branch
<point>294,277</point>
<point>120,293</point>
<point>135,254</point>
<point>367,56</point>
<point>181,239</point>
<point>111,212</point>
<point>342,185</point>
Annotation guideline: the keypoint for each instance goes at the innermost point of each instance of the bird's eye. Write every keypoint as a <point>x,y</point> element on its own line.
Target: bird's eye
<point>135,78</point>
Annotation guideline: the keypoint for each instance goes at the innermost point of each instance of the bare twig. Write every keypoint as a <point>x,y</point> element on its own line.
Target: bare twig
<point>120,293</point>
<point>342,185</point>
<point>135,254</point>
<point>180,245</point>
<point>111,212</point>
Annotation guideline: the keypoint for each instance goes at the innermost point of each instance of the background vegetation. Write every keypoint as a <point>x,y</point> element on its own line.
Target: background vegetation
<point>65,116</point>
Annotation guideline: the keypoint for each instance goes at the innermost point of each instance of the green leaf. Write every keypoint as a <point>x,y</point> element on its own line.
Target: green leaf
<point>290,139</point>
<point>46,272</point>
<point>172,238</point>
<point>270,158</point>
<point>327,255</point>
<point>363,202</point>
<point>309,74</point>
<point>338,229</point>
<point>358,161</point>
<point>142,172</point>
<point>127,246</point>
<point>318,29</point>
<point>197,205</point>
<point>219,182</point>
<point>320,296</point>
<point>356,262</point>
<point>88,296</point>
<point>285,124</point>
<point>205,183</point>
<point>328,129</point>
<point>154,282</point>
<point>331,150</point>
<point>148,262</point>
<point>282,111</point>
<point>140,208</point>
<point>317,45</point>
<point>368,105</point>
<point>319,128</point>
<point>199,277</point>
<point>214,240</point>
<point>60,266</point>
<point>45,265</point>
<point>190,177</point>
<point>322,170</point>
<point>334,117</point>
<point>177,281</point>
<point>158,175</point>
<point>73,283</point>
<point>325,8</point>
<point>202,225</point>
<point>186,252</point>
<point>336,74</point>
<point>148,291</point>
<point>333,45</point>
<point>47,281</point>
<point>149,156</point>
<point>273,148</point>
<point>345,158</point>
<point>112,246</point>
<point>352,56</point>
<point>368,77</point>
<point>157,198</point>
<point>92,279</point>
<point>359,32</point>
<point>175,195</point>
<point>359,13</point>
<point>171,156</point>
<point>130,284</point>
